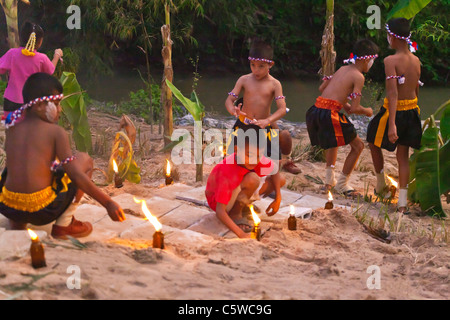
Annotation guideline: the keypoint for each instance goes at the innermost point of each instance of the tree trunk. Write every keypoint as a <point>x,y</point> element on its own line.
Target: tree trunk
<point>327,53</point>
<point>166,93</point>
<point>10,9</point>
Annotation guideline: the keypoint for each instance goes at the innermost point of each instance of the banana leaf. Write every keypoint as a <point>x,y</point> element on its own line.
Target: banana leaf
<point>430,165</point>
<point>194,107</point>
<point>74,109</point>
<point>407,8</point>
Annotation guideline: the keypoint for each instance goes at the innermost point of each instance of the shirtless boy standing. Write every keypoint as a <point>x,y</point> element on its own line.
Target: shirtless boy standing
<point>260,89</point>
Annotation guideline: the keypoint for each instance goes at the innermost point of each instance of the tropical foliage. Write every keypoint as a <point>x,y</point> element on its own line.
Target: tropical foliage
<point>74,109</point>
<point>219,31</point>
<point>430,166</point>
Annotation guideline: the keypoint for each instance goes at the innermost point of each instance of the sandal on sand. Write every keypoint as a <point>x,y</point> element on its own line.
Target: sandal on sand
<point>326,188</point>
<point>406,212</point>
<point>383,194</point>
<point>244,225</point>
<point>352,194</point>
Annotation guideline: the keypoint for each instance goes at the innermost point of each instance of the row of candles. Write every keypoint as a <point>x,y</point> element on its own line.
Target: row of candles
<point>37,249</point>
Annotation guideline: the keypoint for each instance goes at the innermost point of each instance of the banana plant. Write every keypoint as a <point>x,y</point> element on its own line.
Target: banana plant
<point>74,108</point>
<point>407,8</point>
<point>430,165</point>
<point>197,110</point>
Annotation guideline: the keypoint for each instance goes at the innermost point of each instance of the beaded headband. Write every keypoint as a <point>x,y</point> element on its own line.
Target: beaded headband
<point>412,45</point>
<point>260,59</point>
<point>354,57</point>
<point>12,118</point>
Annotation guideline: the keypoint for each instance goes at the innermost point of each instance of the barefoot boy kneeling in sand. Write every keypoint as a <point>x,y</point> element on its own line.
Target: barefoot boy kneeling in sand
<point>237,181</point>
<point>34,188</point>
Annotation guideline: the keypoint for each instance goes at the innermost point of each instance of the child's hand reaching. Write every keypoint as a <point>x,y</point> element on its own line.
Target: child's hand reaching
<point>273,207</point>
<point>115,212</point>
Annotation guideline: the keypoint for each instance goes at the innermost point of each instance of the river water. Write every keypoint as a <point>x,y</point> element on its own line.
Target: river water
<point>212,91</point>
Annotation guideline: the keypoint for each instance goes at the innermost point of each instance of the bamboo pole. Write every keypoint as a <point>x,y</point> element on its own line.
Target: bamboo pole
<point>327,53</point>
<point>166,93</point>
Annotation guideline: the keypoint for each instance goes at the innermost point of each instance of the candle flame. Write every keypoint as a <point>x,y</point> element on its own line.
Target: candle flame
<point>292,210</point>
<point>115,167</point>
<point>393,182</point>
<point>330,196</point>
<point>255,217</point>
<point>168,168</point>
<point>32,234</point>
<point>149,215</point>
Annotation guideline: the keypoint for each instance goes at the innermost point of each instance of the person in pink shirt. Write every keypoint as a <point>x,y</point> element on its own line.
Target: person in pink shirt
<point>20,63</point>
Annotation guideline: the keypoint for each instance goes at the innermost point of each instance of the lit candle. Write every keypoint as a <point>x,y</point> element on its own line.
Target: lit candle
<point>393,187</point>
<point>329,204</point>
<point>222,150</point>
<point>118,183</point>
<point>36,251</point>
<point>158,236</point>
<point>256,231</point>
<point>169,179</point>
<point>292,220</point>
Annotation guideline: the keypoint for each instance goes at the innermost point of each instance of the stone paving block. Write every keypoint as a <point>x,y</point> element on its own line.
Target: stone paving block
<point>144,231</point>
<point>106,228</point>
<point>299,212</point>
<point>311,202</point>
<point>187,237</point>
<point>170,192</point>
<point>158,206</point>
<point>184,216</point>
<point>289,197</point>
<point>210,225</point>
<point>283,214</point>
<point>14,243</point>
<point>195,194</point>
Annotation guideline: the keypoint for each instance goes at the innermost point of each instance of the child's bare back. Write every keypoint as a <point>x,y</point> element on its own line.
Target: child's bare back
<point>31,149</point>
<point>346,79</point>
<point>407,65</point>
